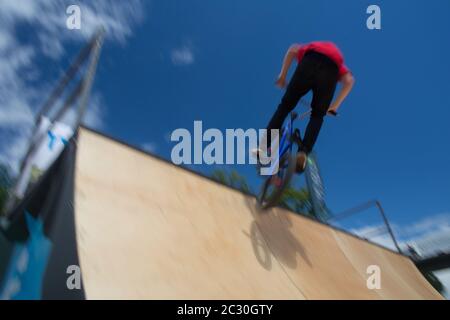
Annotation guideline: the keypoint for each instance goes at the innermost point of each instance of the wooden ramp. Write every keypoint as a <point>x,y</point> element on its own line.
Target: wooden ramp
<point>147,229</point>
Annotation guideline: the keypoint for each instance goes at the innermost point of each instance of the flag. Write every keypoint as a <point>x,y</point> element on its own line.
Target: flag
<point>38,243</point>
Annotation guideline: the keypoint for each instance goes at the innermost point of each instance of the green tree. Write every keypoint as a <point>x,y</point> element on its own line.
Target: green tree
<point>232,179</point>
<point>297,200</point>
<point>5,185</point>
<point>294,199</point>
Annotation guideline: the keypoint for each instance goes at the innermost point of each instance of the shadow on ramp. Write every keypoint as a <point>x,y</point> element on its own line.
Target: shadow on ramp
<point>271,235</point>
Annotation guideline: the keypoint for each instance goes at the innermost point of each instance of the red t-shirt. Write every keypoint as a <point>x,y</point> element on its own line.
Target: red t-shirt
<point>326,48</point>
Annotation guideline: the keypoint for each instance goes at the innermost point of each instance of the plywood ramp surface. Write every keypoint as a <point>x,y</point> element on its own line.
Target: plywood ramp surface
<point>149,230</point>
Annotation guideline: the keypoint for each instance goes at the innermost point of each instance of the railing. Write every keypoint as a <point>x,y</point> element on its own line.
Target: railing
<point>363,207</point>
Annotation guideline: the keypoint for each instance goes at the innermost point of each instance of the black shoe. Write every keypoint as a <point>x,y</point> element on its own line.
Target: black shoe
<point>301,161</point>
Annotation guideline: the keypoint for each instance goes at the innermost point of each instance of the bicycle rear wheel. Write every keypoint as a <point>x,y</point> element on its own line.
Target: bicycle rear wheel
<point>271,192</point>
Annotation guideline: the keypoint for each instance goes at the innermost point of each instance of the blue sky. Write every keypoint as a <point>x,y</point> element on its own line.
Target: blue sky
<point>390,142</point>
<point>168,63</point>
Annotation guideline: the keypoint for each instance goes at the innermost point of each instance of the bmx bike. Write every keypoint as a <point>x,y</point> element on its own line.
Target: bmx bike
<point>283,167</point>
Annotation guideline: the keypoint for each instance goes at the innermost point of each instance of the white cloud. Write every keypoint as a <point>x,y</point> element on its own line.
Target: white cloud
<point>435,222</point>
<point>444,277</point>
<point>94,116</point>
<point>374,233</point>
<point>5,40</point>
<point>182,56</point>
<point>19,66</point>
<point>19,9</point>
<point>48,18</point>
<point>427,228</point>
<point>95,113</point>
<point>15,112</point>
<point>50,47</point>
<point>433,242</point>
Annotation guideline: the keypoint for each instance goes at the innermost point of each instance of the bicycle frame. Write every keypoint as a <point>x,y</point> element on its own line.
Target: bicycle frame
<point>285,145</point>
<point>287,140</point>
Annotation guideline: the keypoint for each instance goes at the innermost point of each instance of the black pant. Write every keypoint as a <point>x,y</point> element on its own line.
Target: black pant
<point>315,72</point>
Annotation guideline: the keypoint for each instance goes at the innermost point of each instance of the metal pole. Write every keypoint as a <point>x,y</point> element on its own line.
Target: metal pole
<point>378,204</point>
<point>69,75</point>
<point>88,81</point>
<point>83,90</point>
<point>353,210</point>
<point>365,206</point>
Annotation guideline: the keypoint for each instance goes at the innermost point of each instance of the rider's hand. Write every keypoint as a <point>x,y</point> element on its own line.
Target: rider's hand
<point>281,82</point>
<point>332,111</point>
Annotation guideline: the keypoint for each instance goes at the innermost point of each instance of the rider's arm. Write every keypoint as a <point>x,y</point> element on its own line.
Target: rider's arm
<point>291,53</point>
<point>347,82</point>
